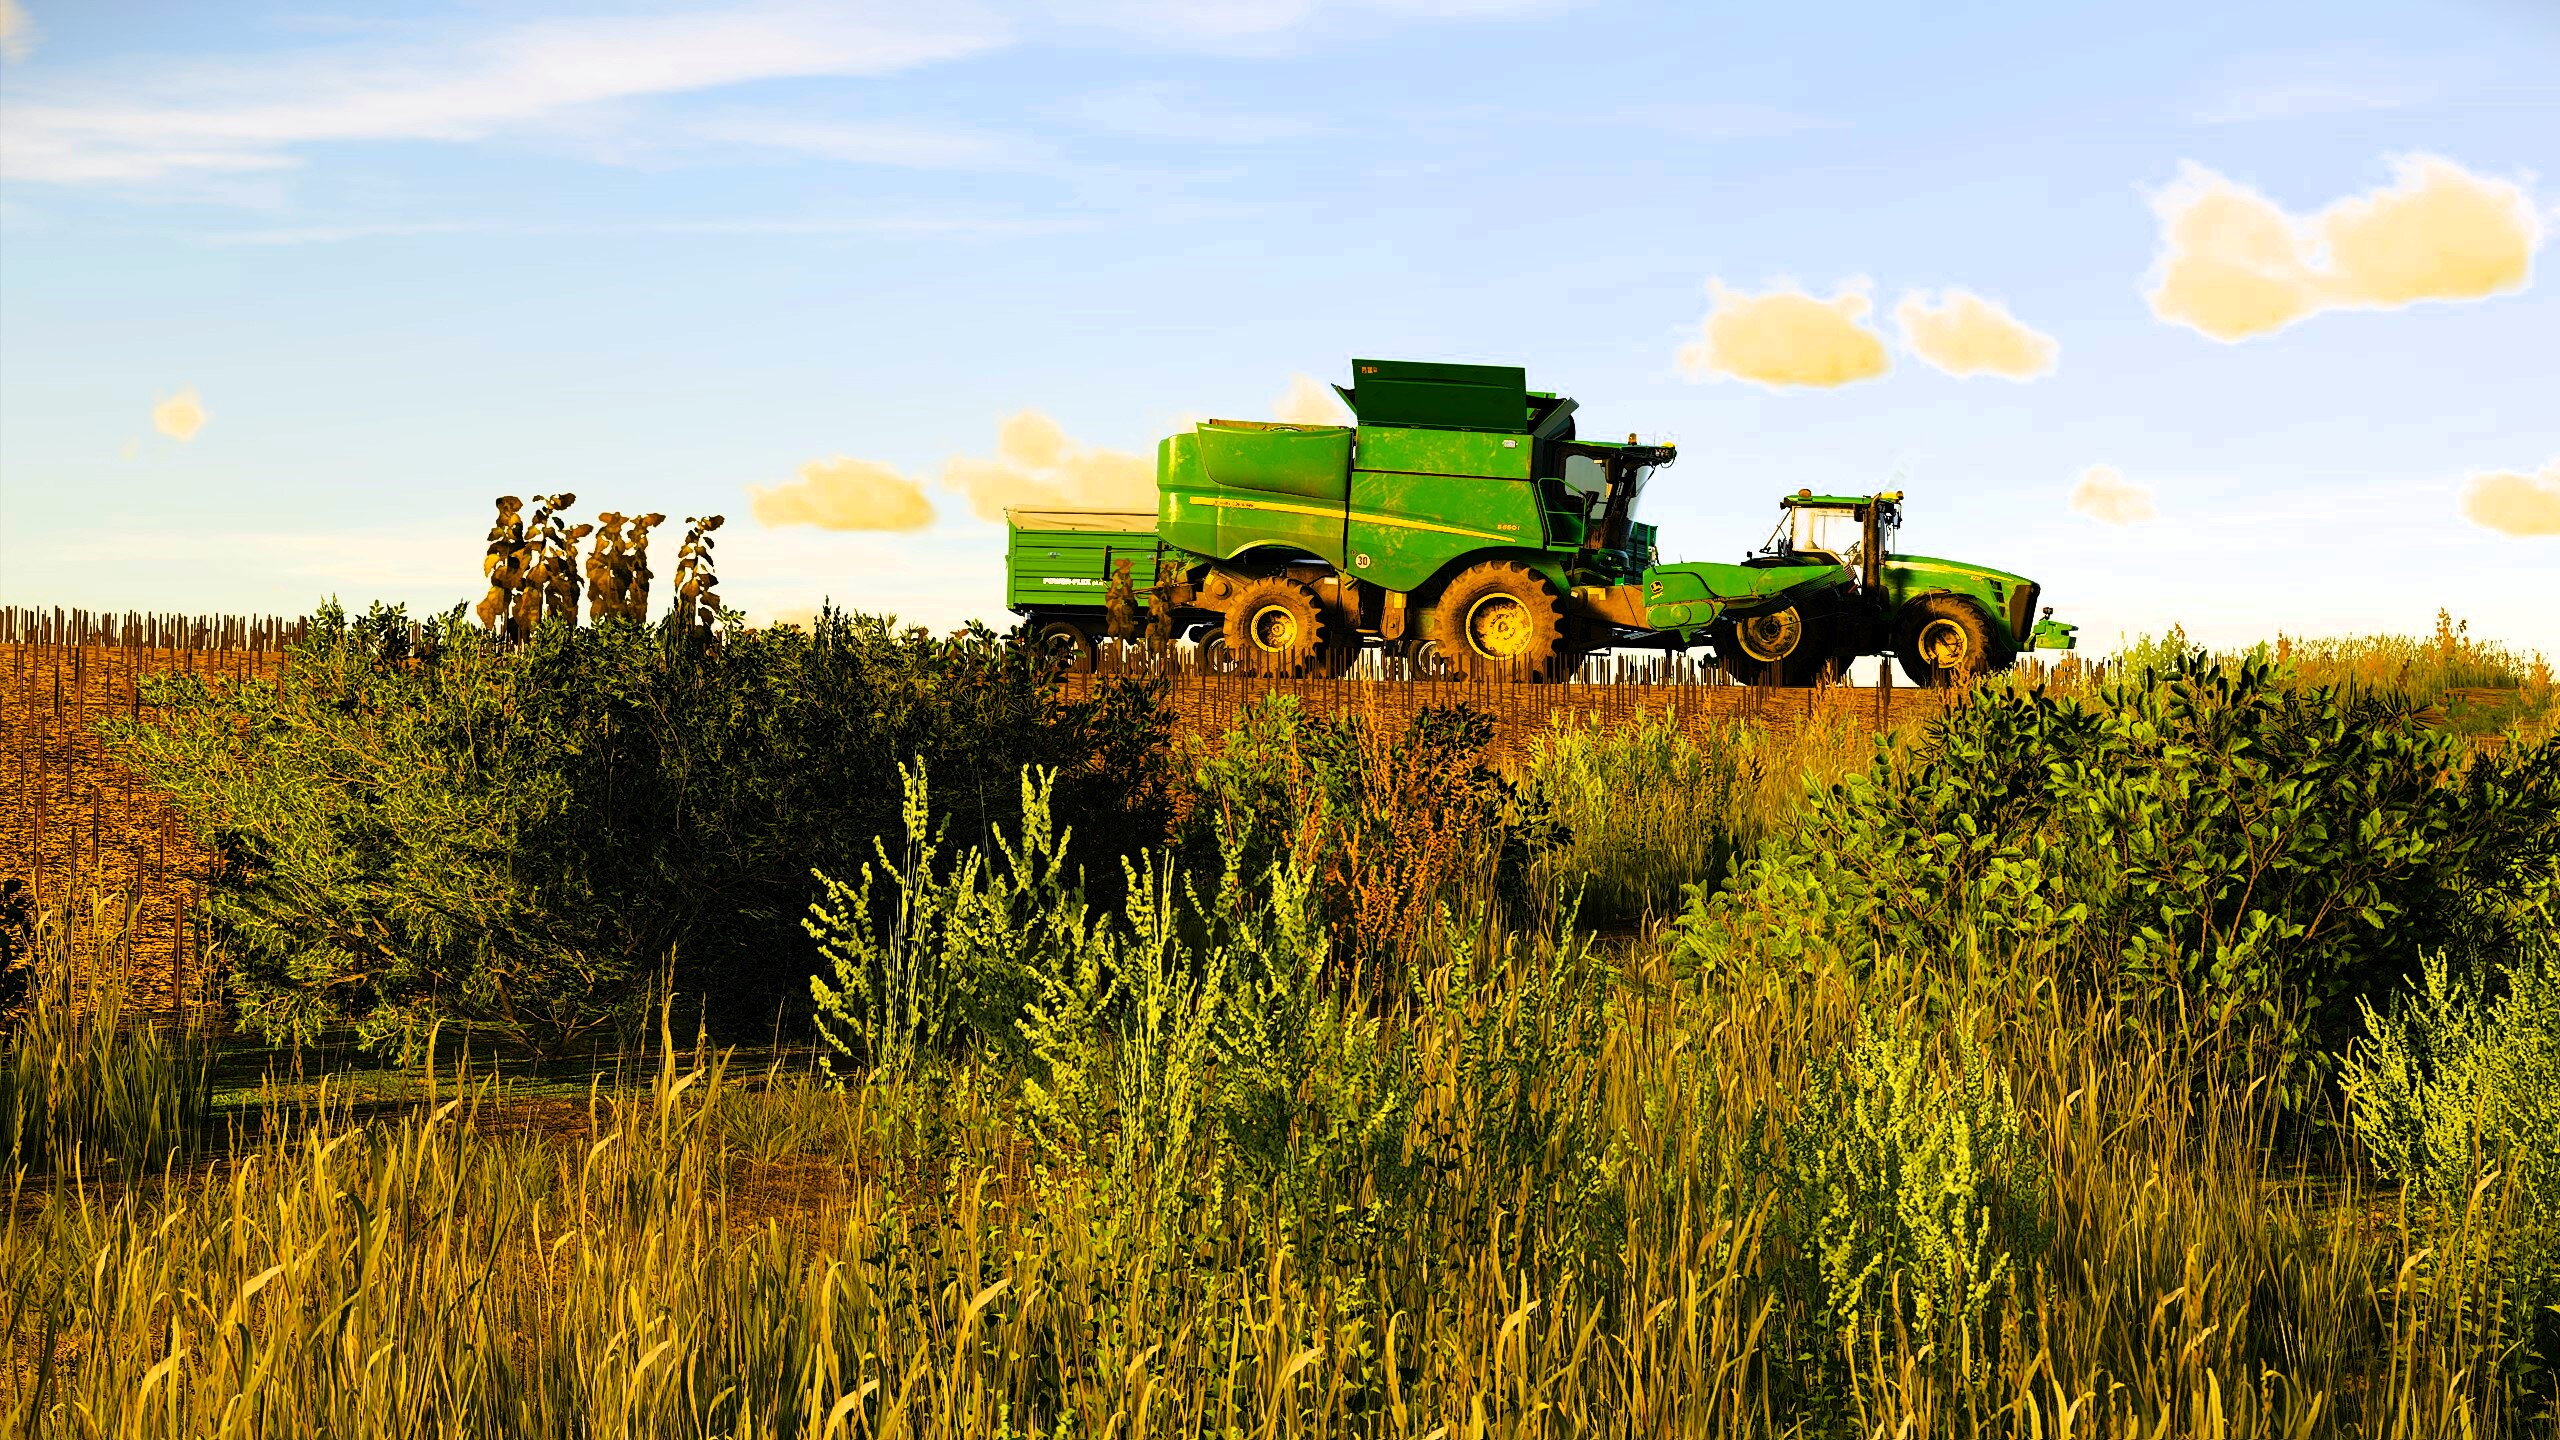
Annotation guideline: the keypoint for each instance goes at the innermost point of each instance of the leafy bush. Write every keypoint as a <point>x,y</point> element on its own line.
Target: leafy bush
<point>1184,1024</point>
<point>1645,809</point>
<point>957,948</point>
<point>1393,825</point>
<point>2456,1088</point>
<point>521,836</point>
<point>1907,1183</point>
<point>2243,857</point>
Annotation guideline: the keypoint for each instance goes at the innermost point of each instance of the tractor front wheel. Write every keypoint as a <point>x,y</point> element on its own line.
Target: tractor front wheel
<point>1782,647</point>
<point>1276,627</point>
<point>1499,621</point>
<point>1945,640</point>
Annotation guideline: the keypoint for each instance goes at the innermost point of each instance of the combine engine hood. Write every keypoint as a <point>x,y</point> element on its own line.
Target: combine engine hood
<point>1692,593</point>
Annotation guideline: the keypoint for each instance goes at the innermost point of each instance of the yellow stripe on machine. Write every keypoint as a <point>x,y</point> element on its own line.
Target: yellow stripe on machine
<point>1371,517</point>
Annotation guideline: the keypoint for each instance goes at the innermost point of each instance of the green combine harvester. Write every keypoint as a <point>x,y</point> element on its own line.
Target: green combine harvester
<point>1464,526</point>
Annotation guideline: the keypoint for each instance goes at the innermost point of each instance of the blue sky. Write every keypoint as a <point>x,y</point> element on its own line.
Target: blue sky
<point>412,258</point>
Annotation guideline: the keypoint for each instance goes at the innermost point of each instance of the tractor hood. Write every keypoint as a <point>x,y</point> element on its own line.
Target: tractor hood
<point>1920,566</point>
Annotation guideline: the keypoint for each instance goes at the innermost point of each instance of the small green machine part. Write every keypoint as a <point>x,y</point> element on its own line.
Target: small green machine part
<point>1460,521</point>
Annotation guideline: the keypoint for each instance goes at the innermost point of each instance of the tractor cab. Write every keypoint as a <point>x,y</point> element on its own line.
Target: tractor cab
<point>1855,532</point>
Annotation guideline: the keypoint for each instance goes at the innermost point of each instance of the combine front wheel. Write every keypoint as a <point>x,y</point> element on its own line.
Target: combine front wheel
<point>1275,627</point>
<point>1499,621</point>
<point>1944,640</point>
<point>1782,647</point>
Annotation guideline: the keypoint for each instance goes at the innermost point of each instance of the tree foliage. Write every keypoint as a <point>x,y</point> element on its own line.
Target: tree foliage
<point>521,836</point>
<point>2244,856</point>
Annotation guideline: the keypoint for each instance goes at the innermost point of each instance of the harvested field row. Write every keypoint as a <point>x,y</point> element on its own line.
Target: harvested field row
<point>1205,704</point>
<point>74,823</point>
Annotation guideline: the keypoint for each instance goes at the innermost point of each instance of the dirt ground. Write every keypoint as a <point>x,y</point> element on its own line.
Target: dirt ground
<point>78,828</point>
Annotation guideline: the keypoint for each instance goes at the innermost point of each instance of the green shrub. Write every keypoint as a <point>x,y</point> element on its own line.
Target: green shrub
<point>950,951</point>
<point>1644,810</point>
<point>520,836</point>
<point>2240,856</point>
<point>2455,1089</point>
<point>1393,824</point>
<point>1907,1184</point>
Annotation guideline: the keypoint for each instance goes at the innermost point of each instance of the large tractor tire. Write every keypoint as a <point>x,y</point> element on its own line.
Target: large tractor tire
<point>1069,641</point>
<point>1946,640</point>
<point>1786,648</point>
<point>1276,627</point>
<point>1499,621</point>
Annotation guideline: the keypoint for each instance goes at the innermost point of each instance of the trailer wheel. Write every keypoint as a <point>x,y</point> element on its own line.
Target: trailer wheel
<point>1341,658</point>
<point>1782,647</point>
<point>1944,640</point>
<point>1499,621</point>
<point>1067,640</point>
<point>1275,627</point>
<point>1425,660</point>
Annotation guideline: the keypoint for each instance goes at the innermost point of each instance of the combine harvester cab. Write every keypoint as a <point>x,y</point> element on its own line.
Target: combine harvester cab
<point>1460,522</point>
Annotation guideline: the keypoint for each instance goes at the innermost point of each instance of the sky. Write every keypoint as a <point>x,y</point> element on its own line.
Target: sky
<point>2230,317</point>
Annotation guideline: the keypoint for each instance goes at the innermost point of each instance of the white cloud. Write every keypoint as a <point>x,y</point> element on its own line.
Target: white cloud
<point>844,494</point>
<point>17,32</point>
<point>1161,112</point>
<point>870,142</point>
<point>913,224</point>
<point>1038,466</point>
<point>1966,334</point>
<point>2103,494</point>
<point>2234,264</point>
<point>180,416</point>
<point>238,117</point>
<point>1309,401</point>
<point>2513,503</point>
<point>1787,337</point>
<point>1721,120</point>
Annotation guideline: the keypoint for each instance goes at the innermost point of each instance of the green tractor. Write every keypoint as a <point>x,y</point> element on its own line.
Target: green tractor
<point>1462,524</point>
<point>1942,620</point>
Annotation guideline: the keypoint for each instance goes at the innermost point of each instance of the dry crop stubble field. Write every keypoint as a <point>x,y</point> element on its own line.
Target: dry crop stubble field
<point>76,823</point>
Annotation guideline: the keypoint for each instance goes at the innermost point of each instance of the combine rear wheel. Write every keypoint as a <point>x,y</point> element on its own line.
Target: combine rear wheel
<point>1782,647</point>
<point>1945,640</point>
<point>1499,621</point>
<point>1276,627</point>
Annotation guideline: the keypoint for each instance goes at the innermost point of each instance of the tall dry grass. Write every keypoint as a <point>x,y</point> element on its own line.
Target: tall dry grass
<point>1599,1246</point>
<point>87,1083</point>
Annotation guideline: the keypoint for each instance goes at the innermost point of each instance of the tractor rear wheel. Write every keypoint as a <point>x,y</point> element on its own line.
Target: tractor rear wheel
<point>1276,627</point>
<point>1945,640</point>
<point>1499,621</point>
<point>1069,641</point>
<point>1782,647</point>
